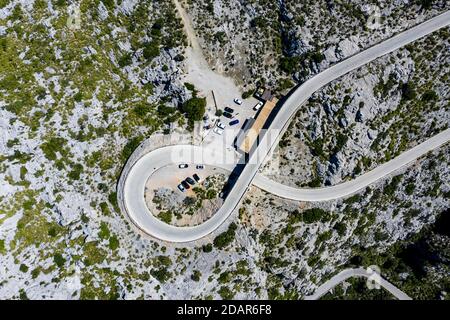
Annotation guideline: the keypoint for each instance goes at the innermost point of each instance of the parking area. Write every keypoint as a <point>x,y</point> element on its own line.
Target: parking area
<point>232,112</point>
<point>171,176</point>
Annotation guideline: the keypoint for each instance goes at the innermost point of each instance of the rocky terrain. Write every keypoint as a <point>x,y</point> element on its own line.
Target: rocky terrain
<point>303,244</point>
<point>368,117</point>
<point>79,88</point>
<point>282,42</point>
<point>188,208</point>
<point>82,86</point>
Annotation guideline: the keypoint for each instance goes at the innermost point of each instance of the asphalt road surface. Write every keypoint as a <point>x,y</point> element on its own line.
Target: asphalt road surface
<point>135,181</point>
<point>358,272</point>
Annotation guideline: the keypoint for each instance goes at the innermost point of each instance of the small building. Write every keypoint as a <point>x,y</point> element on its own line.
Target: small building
<point>267,95</point>
<point>246,142</point>
<point>243,132</point>
<point>263,94</point>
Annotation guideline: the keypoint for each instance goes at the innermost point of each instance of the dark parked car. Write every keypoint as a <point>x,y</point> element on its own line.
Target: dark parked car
<point>190,181</point>
<point>227,115</point>
<point>185,184</point>
<point>228,109</point>
<point>196,177</point>
<point>233,122</point>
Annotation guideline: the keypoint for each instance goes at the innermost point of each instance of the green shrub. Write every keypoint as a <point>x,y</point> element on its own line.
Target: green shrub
<point>130,147</point>
<point>104,208</point>
<point>425,4</point>
<point>409,189</point>
<point>165,216</point>
<point>317,147</point>
<point>289,64</point>
<point>341,140</point>
<point>211,194</point>
<point>189,86</point>
<point>353,199</point>
<point>78,97</point>
<point>315,183</point>
<point>162,274</point>
<point>125,60</point>
<point>2,246</point>
<point>76,171</point>
<point>52,232</point>
<point>165,111</point>
<point>52,146</point>
<point>315,215</point>
<point>108,4</point>
<point>151,50</point>
<point>390,188</point>
<point>219,36</point>
<point>247,94</point>
<point>340,228</point>
<point>104,231</point>
<point>226,293</point>
<point>207,248</point>
<point>142,110</point>
<point>408,91</point>
<point>317,57</point>
<point>225,238</point>
<point>194,109</point>
<point>23,268</point>
<point>284,84</point>
<point>112,197</point>
<point>196,275</point>
<point>429,95</point>
<point>258,22</point>
<point>113,243</point>
<point>59,260</point>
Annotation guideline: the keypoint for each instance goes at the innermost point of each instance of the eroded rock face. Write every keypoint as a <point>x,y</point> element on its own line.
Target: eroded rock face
<point>68,125</point>
<point>314,35</point>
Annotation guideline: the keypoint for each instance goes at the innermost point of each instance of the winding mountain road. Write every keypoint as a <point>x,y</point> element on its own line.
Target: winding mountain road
<point>358,272</point>
<point>134,186</point>
<point>345,189</point>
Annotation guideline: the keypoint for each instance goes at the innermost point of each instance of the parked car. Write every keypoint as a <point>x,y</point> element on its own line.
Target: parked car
<point>196,177</point>
<point>221,125</point>
<point>190,181</point>
<point>205,117</point>
<point>227,115</point>
<point>237,101</point>
<point>218,130</point>
<point>229,110</point>
<point>183,166</point>
<point>258,106</point>
<point>185,184</point>
<point>233,122</point>
<point>207,127</point>
<point>181,188</point>
<point>200,167</point>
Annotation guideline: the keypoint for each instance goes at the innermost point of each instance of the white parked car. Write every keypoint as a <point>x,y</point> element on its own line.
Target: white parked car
<point>237,101</point>
<point>218,130</point>
<point>181,188</point>
<point>200,166</point>
<point>183,166</point>
<point>221,125</point>
<point>258,106</point>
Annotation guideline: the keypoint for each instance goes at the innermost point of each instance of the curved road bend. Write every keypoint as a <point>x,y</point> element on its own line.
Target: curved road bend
<point>134,185</point>
<point>358,272</point>
<point>347,188</point>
